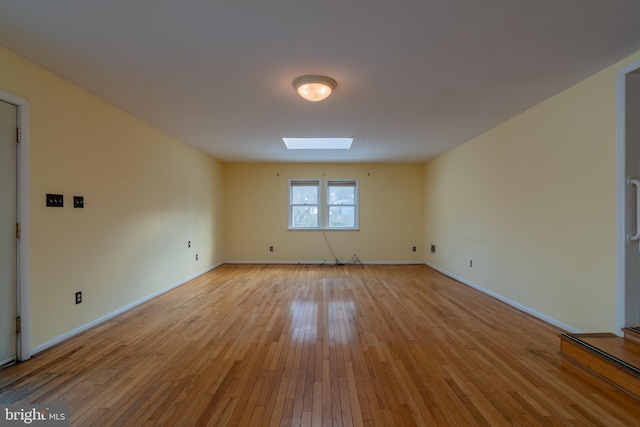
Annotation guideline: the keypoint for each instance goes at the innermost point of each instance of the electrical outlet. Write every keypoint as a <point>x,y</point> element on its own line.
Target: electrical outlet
<point>78,297</point>
<point>470,263</point>
<point>433,249</point>
<point>189,244</point>
<point>196,257</point>
<point>78,202</point>
<point>270,248</point>
<point>414,249</point>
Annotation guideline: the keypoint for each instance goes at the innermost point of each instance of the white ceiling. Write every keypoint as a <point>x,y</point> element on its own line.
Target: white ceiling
<point>415,77</point>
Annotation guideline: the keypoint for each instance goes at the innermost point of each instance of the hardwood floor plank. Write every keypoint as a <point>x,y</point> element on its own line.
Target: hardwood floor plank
<point>297,345</point>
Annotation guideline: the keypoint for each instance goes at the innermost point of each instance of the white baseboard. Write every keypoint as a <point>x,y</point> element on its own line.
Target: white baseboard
<point>507,301</point>
<point>82,328</point>
<point>326,262</point>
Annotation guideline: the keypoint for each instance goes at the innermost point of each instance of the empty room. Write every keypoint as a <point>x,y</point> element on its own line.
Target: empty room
<point>348,213</point>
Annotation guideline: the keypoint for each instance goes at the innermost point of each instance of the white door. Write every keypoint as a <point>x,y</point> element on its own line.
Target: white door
<point>8,251</point>
<point>628,251</point>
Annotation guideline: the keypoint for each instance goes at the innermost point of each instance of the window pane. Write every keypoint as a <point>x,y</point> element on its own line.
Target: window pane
<point>301,194</point>
<point>342,216</point>
<point>304,216</point>
<point>342,195</point>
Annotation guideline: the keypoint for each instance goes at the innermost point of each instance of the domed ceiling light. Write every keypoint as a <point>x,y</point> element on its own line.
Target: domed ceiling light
<point>313,87</point>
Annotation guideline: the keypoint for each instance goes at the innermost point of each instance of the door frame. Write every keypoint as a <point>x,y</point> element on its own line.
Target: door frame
<point>23,347</point>
<point>627,253</point>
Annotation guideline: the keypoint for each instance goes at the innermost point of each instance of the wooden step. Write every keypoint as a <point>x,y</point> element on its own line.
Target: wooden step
<point>632,334</point>
<point>606,355</point>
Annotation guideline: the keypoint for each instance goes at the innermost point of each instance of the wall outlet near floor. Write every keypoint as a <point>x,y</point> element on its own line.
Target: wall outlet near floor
<point>196,257</point>
<point>270,248</point>
<point>470,263</point>
<point>414,249</point>
<point>433,249</point>
<point>78,297</point>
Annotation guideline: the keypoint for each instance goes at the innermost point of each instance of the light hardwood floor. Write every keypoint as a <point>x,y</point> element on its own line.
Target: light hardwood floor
<point>319,345</point>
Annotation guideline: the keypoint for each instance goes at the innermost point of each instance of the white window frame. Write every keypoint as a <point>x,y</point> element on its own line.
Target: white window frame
<point>305,182</point>
<point>323,202</point>
<point>341,183</point>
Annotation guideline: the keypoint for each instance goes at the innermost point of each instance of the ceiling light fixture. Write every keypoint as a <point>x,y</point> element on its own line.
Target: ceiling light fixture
<point>314,87</point>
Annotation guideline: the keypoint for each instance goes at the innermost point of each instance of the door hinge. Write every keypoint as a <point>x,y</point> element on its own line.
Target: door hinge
<point>18,135</point>
<point>18,325</point>
<point>18,230</point>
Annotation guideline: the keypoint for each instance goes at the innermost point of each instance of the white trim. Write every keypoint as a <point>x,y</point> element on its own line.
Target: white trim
<point>620,198</point>
<point>629,68</point>
<point>102,319</point>
<point>507,300</point>
<point>326,261</point>
<point>323,229</point>
<point>12,99</point>
<point>23,348</point>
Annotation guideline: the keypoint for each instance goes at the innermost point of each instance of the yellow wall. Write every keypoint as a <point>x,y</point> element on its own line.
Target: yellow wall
<point>533,202</point>
<point>256,216</point>
<point>146,195</point>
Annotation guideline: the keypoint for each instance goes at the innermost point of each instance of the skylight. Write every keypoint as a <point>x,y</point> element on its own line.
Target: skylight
<point>318,143</point>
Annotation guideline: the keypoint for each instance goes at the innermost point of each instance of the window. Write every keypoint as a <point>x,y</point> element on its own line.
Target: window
<point>341,204</point>
<point>304,203</point>
<point>334,208</point>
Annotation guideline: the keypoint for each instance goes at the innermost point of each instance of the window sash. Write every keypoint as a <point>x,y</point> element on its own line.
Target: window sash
<point>342,213</point>
<point>303,213</point>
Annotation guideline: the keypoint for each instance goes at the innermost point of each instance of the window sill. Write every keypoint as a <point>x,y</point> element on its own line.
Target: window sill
<point>323,229</point>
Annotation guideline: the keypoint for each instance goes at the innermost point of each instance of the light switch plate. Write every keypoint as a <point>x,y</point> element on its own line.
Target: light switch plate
<point>55,200</point>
